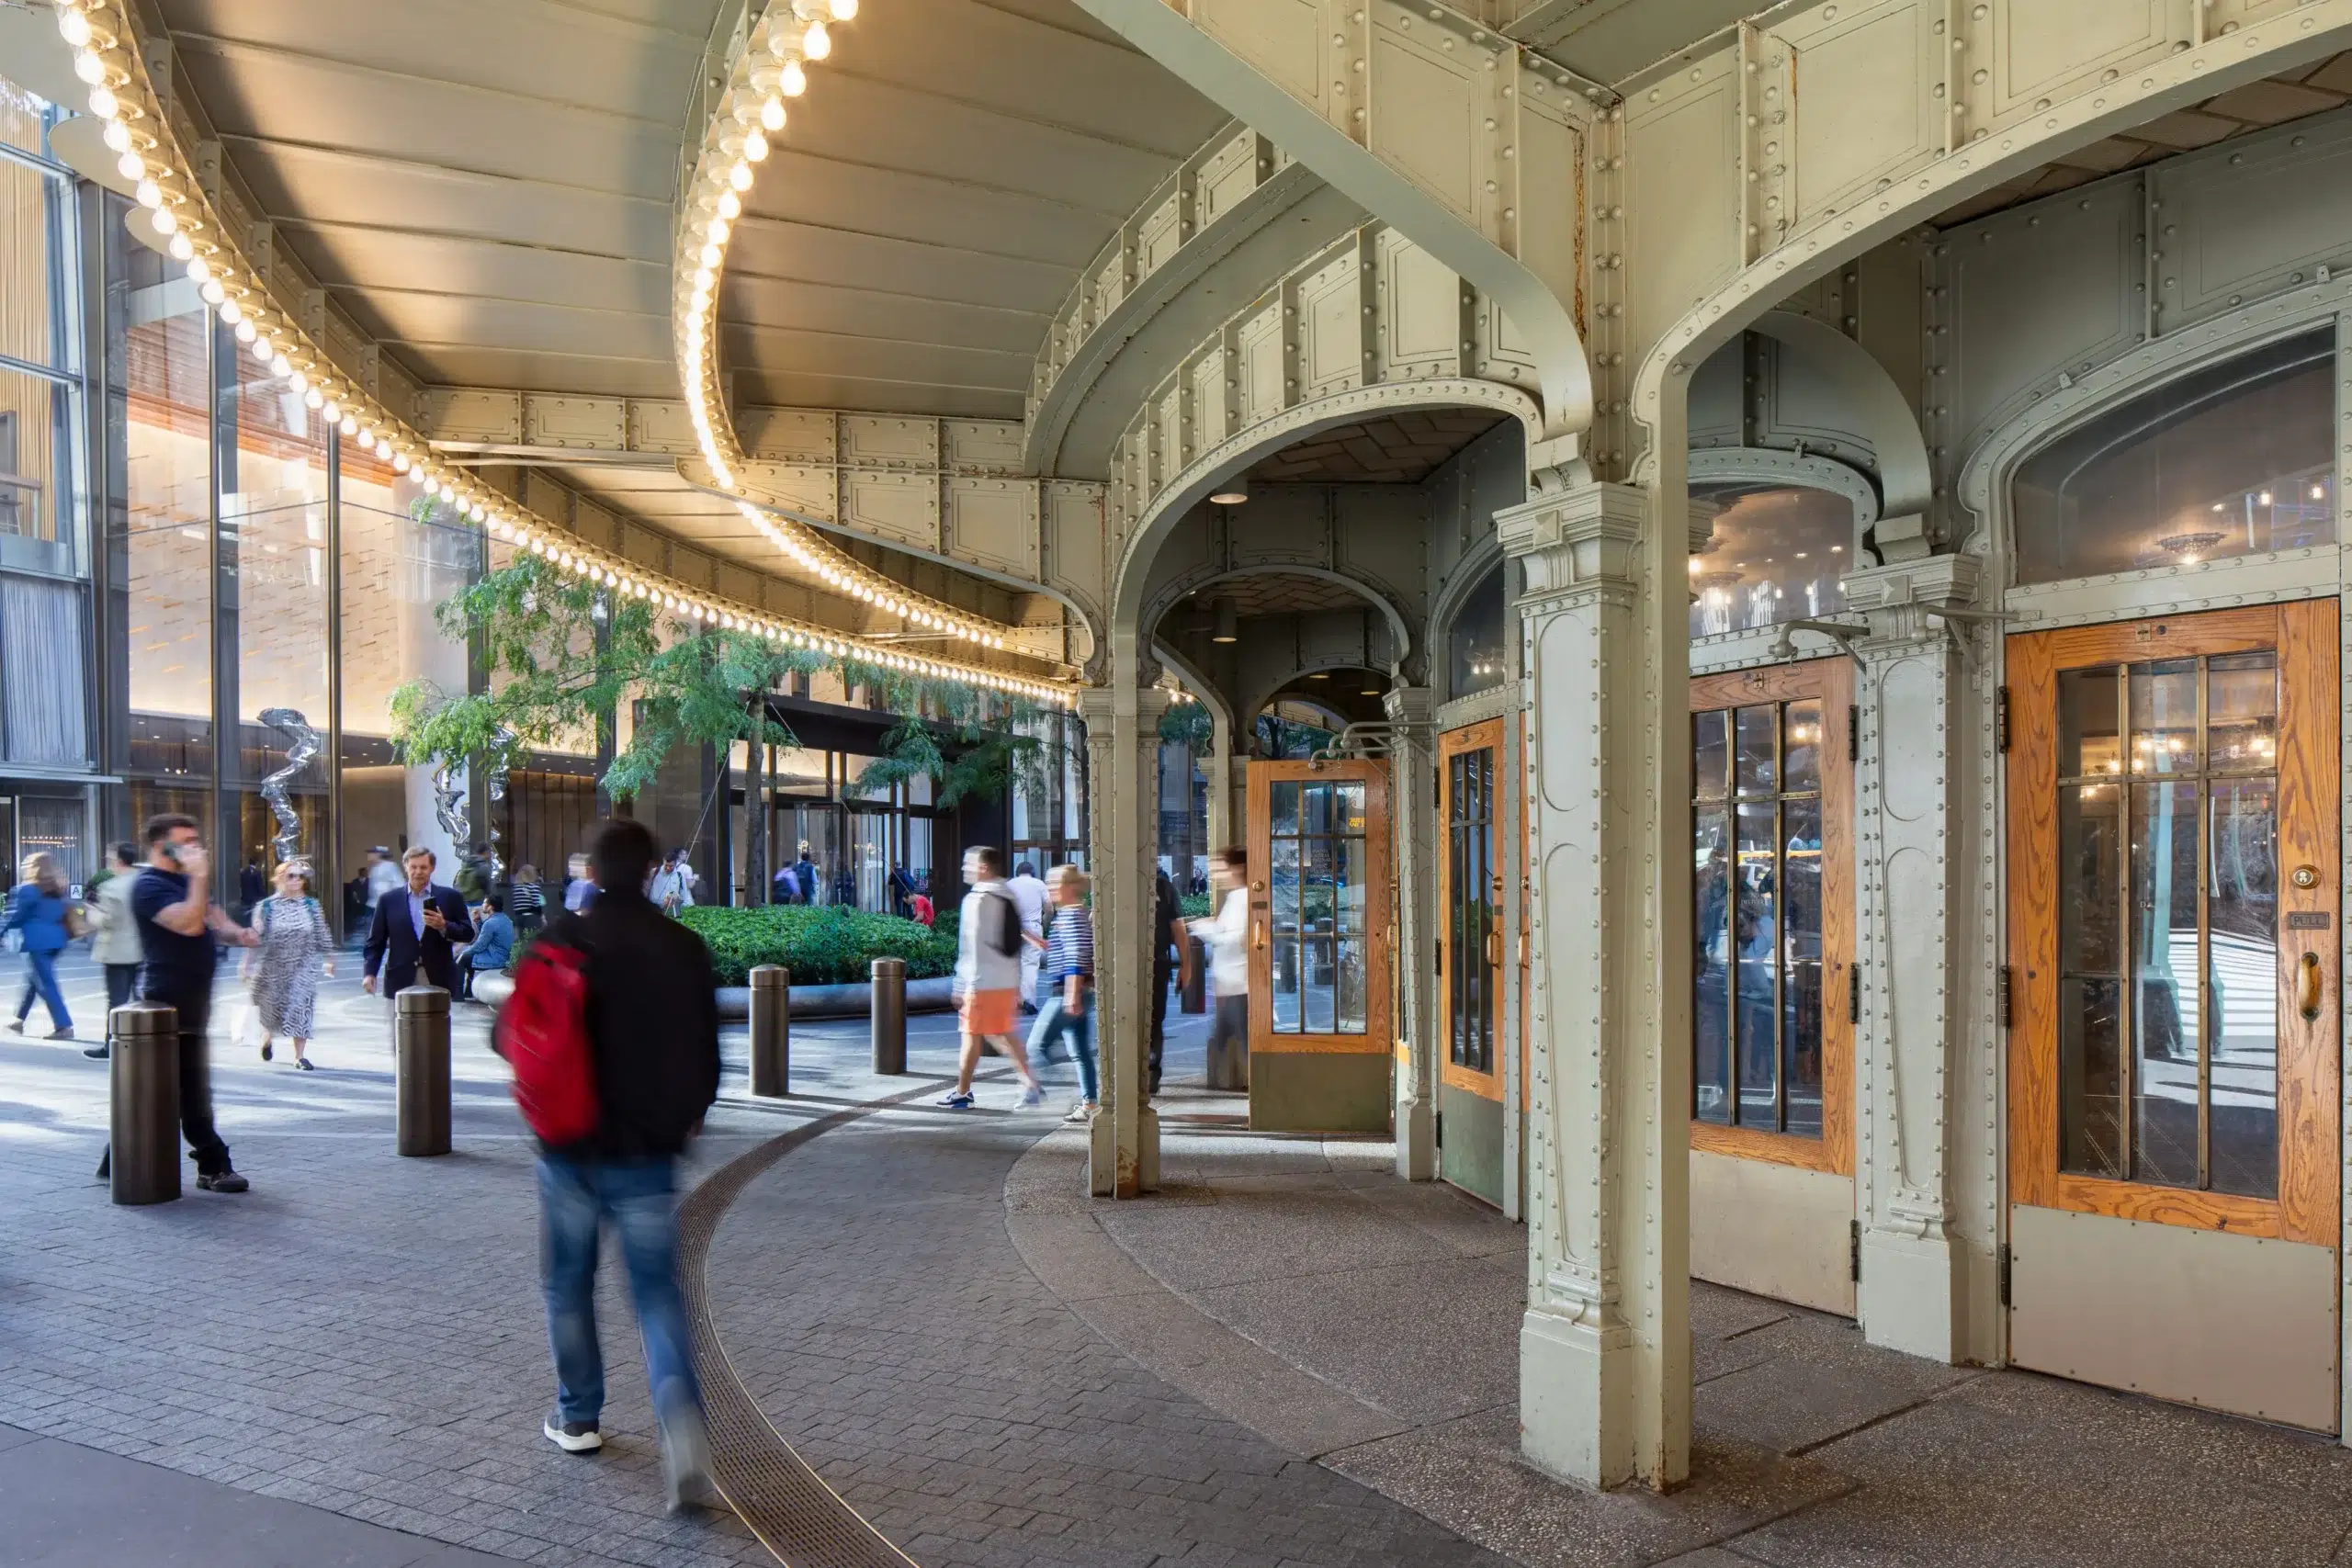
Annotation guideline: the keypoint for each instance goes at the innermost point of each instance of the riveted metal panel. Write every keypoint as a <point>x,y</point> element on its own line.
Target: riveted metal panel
<point>2232,1322</point>
<point>589,424</point>
<point>988,445</point>
<point>1231,172</point>
<point>992,522</point>
<point>1331,335</point>
<point>1865,107</point>
<point>788,435</point>
<point>901,507</point>
<point>2250,218</point>
<point>878,441</point>
<point>811,492</point>
<point>469,414</point>
<point>660,425</point>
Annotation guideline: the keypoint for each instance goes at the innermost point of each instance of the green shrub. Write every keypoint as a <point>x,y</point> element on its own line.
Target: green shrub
<point>826,945</point>
<point>1197,906</point>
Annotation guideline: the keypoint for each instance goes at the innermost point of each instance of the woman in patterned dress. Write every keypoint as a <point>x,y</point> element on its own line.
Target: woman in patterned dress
<point>284,968</point>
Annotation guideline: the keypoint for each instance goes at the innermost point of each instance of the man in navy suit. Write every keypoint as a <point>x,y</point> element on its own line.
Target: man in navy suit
<point>418,926</point>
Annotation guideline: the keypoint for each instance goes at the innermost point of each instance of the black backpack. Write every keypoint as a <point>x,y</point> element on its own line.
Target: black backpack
<point>1009,941</point>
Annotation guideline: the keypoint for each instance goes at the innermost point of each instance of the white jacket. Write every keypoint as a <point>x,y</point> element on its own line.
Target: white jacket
<point>117,938</point>
<point>1226,936</point>
<point>980,965</point>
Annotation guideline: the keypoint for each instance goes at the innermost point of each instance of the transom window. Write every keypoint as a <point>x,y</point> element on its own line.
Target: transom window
<point>2235,459</point>
<point>1775,555</point>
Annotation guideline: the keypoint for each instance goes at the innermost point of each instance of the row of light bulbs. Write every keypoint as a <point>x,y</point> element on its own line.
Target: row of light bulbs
<point>772,68</point>
<point>102,36</point>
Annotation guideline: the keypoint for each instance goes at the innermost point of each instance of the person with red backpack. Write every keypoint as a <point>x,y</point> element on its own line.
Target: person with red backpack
<point>613,1033</point>
<point>987,977</point>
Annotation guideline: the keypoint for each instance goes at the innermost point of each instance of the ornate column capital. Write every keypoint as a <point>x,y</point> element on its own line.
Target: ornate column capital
<point>1409,706</point>
<point>1896,597</point>
<point>1578,543</point>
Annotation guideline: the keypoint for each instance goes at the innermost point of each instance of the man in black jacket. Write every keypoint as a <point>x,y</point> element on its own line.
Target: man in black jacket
<point>652,1023</point>
<point>416,927</point>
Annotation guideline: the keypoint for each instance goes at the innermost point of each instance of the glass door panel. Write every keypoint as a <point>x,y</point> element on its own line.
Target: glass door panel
<point>2166,1004</point>
<point>1318,905</point>
<point>1470,899</point>
<point>1771,911</point>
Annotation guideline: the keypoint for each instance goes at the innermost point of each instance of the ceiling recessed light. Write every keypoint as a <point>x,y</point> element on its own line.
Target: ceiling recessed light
<point>1233,492</point>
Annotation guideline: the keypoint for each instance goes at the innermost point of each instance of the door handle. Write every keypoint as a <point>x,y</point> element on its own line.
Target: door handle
<point>2307,986</point>
<point>1495,949</point>
<point>1258,934</point>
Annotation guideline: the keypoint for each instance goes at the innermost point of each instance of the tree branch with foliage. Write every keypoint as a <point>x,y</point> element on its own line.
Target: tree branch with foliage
<point>562,655</point>
<point>991,747</point>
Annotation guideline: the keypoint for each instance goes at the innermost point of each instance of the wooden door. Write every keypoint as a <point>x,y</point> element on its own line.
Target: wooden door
<point>2173,1122</point>
<point>1320,989</point>
<point>1471,909</point>
<point>1772,1028</point>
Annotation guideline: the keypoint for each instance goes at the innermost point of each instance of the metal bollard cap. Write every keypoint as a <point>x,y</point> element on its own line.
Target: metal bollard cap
<point>766,974</point>
<point>422,998</point>
<point>887,965</point>
<point>144,1018</point>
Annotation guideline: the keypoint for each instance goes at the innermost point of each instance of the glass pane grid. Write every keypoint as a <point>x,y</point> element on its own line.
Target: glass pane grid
<point>1318,905</point>
<point>2168,950</point>
<point>1759,974</point>
<point>1471,912</point>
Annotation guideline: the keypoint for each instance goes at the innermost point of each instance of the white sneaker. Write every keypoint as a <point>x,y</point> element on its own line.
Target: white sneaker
<point>574,1437</point>
<point>1080,1110</point>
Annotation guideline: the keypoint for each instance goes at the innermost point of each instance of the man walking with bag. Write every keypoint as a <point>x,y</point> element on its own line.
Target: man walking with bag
<point>618,1018</point>
<point>989,941</point>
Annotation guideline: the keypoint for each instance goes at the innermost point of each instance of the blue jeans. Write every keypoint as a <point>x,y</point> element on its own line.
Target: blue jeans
<point>1053,1019</point>
<point>574,1198</point>
<point>40,979</point>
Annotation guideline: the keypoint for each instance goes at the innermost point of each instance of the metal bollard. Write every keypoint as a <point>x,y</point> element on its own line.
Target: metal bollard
<point>421,1047</point>
<point>889,1016</point>
<point>771,1032</point>
<point>144,1123</point>
<point>1194,997</point>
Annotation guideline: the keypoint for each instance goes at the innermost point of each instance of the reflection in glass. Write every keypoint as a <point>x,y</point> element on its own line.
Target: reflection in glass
<point>2234,459</point>
<point>1775,555</point>
<point>1755,969</point>
<point>2168,961</point>
<point>1470,913</point>
<point>2164,1033</point>
<point>1755,747</point>
<point>1710,756</point>
<point>1801,747</point>
<point>1711,1029</point>
<point>2241,915</point>
<point>1800,962</point>
<point>1317,890</point>
<point>1475,646</point>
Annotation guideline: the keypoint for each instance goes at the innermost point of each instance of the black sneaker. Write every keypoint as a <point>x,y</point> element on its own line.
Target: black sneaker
<point>222,1181</point>
<point>574,1437</point>
<point>97,1052</point>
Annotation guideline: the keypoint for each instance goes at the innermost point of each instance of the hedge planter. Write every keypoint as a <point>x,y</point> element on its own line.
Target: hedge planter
<point>934,995</point>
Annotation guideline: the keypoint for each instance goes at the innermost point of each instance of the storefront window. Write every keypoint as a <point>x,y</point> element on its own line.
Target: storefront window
<point>1775,555</point>
<point>2233,460</point>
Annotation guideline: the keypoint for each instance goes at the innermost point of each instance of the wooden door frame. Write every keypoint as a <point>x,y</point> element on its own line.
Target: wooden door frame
<point>1486,734</point>
<point>1380,893</point>
<point>1832,681</point>
<point>2304,634</point>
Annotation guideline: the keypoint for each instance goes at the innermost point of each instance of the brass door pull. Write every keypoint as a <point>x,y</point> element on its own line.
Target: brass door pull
<point>1258,935</point>
<point>2307,986</point>
<point>1493,949</point>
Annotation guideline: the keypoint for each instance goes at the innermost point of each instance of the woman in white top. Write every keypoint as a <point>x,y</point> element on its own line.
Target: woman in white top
<point>1226,936</point>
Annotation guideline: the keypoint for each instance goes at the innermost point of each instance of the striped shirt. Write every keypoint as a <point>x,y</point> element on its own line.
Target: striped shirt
<point>1069,945</point>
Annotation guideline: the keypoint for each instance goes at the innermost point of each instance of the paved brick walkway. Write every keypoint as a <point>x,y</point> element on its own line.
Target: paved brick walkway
<point>362,1333</point>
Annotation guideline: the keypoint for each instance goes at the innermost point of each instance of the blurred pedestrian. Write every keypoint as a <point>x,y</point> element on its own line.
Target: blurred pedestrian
<point>987,979</point>
<point>116,941</point>
<point>181,931</point>
<point>1067,1010</point>
<point>578,890</point>
<point>1172,963</point>
<point>37,919</point>
<point>527,901</point>
<point>804,868</point>
<point>383,874</point>
<point>416,928</point>
<point>292,938</point>
<point>672,891</point>
<point>1226,934</point>
<point>472,879</point>
<point>651,1014</point>
<point>1028,896</point>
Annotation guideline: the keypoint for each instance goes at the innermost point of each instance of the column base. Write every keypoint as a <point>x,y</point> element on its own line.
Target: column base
<point>1416,1138</point>
<point>1575,1398</point>
<point>1102,1156</point>
<point>1910,1295</point>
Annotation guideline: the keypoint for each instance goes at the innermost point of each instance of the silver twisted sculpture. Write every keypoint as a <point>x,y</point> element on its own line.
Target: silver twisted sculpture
<point>301,749</point>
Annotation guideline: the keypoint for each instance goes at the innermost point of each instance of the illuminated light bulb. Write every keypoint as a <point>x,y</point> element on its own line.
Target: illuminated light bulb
<point>740,177</point>
<point>162,221</point>
<point>844,10</point>
<point>213,294</point>
<point>705,277</point>
<point>756,147</point>
<point>278,366</point>
<point>711,253</point>
<point>333,413</point>
<point>730,206</point>
<point>244,332</point>
<point>132,166</point>
<point>104,104</point>
<point>75,26</point>
<point>772,115</point>
<point>117,136</point>
<point>89,67</point>
<point>816,43</point>
<point>295,379</point>
<point>150,194</point>
<point>264,350</point>
<point>400,462</point>
<point>349,425</point>
<point>312,399</point>
<point>719,229</point>
<point>182,249</point>
<point>794,82</point>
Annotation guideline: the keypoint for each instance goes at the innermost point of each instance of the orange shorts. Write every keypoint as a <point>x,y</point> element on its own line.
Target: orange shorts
<point>990,1013</point>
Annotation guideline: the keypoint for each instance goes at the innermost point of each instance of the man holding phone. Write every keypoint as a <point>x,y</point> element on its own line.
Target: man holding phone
<point>180,933</point>
<point>419,926</point>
